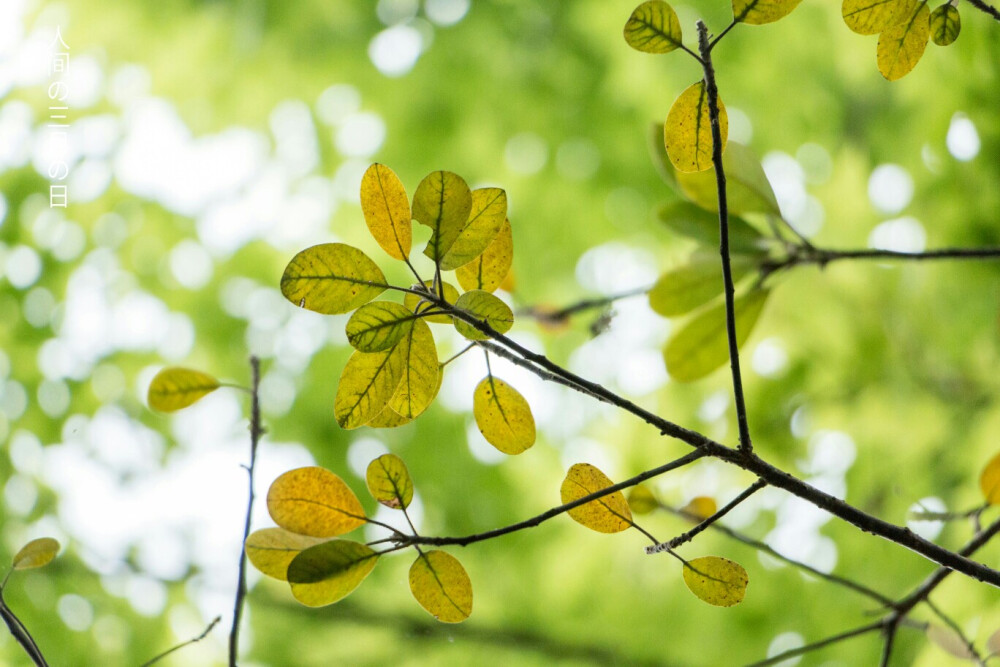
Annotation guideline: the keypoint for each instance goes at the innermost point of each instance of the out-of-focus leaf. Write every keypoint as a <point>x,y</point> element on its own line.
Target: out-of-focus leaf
<point>949,641</point>
<point>270,550</point>
<point>486,308</point>
<point>368,383</point>
<point>641,499</point>
<point>901,46</point>
<point>488,271</point>
<point>946,24</point>
<point>330,571</point>
<point>314,501</point>
<point>36,553</point>
<point>441,586</point>
<point>993,643</point>
<point>989,481</point>
<point>687,134</point>
<point>174,388</point>
<point>759,12</point>
<point>421,376</point>
<point>700,507</point>
<point>332,278</point>
<point>747,187</point>
<point>690,285</point>
<point>609,514</point>
<point>389,481</point>
<point>387,210</point>
<point>378,326</point>
<point>702,226</point>
<point>653,28</point>
<point>717,581</point>
<point>503,416</point>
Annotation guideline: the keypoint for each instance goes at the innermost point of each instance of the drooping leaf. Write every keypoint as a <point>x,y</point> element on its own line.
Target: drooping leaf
<point>36,553</point>
<point>687,134</point>
<point>700,507</point>
<point>388,418</point>
<point>412,301</point>
<point>489,210</point>
<point>421,375</point>
<point>989,481</point>
<point>174,388</point>
<point>993,643</point>
<point>759,12</point>
<point>389,481</point>
<point>487,271</point>
<point>368,383</point>
<point>901,46</point>
<point>442,202</point>
<point>702,226</point>
<point>702,345</point>
<point>486,308</point>
<point>690,285</point>
<point>379,326</point>
<point>609,514</point>
<point>387,210</point>
<point>270,550</point>
<point>747,187</point>
<point>946,24</point>
<point>332,278</point>
<point>653,28</point>
<point>717,581</point>
<point>869,17</point>
<point>949,641</point>
<point>641,499</point>
<point>441,586</point>
<point>330,571</point>
<point>503,416</point>
<point>314,501</point>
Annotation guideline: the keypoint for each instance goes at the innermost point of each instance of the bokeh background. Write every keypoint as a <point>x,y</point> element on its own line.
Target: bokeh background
<point>210,140</point>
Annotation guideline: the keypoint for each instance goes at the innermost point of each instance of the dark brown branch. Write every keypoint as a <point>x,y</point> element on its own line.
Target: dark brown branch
<point>560,315</point>
<point>193,640</point>
<point>690,535</point>
<point>983,7</point>
<point>21,633</point>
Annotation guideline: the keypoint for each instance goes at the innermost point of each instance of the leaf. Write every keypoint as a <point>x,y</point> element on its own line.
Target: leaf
<point>486,308</point>
<point>174,388</point>
<point>368,383</point>
<point>946,24</point>
<point>411,301</point>
<point>389,481</point>
<point>421,375</point>
<point>332,278</point>
<point>270,550</point>
<point>700,508</point>
<point>36,553</point>
<point>949,641</point>
<point>330,571</point>
<point>993,643</point>
<point>441,586</point>
<point>989,481</point>
<point>747,187</point>
<point>900,47</point>
<point>759,12</point>
<point>388,418</point>
<point>379,326</point>
<point>683,289</point>
<point>610,514</point>
<point>658,154</point>
<point>698,224</point>
<point>869,17</point>
<point>653,28</point>
<point>503,416</point>
<point>442,202</point>
<point>489,211</point>
<point>687,134</point>
<point>315,502</point>
<point>717,581</point>
<point>387,210</point>
<point>702,345</point>
<point>641,499</point>
<point>487,271</point>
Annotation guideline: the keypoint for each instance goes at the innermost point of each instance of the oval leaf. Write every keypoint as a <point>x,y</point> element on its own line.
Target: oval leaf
<point>993,643</point>
<point>486,308</point>
<point>487,271</point>
<point>270,550</point>
<point>747,187</point>
<point>376,327</point>
<point>503,416</point>
<point>653,28</point>
<point>700,280</point>
<point>389,481</point>
<point>696,223</point>
<point>610,514</point>
<point>717,581</point>
<point>388,418</point>
<point>949,641</point>
<point>900,47</point>
<point>687,134</point>
<point>412,301</point>
<point>332,278</point>
<point>36,553</point>
<point>441,586</point>
<point>315,502</point>
<point>368,383</point>
<point>989,481</point>
<point>387,210</point>
<point>869,17</point>
<point>421,376</point>
<point>442,202</point>
<point>700,508</point>
<point>946,24</point>
<point>174,388</point>
<point>641,499</point>
<point>759,12</point>
<point>489,210</point>
<point>330,571</point>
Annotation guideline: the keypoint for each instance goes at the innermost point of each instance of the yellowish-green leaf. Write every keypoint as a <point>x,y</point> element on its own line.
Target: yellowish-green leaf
<point>368,383</point>
<point>174,388</point>
<point>503,416</point>
<point>700,508</point>
<point>641,499</point>
<point>946,24</point>
<point>388,418</point>
<point>717,581</point>
<point>332,278</point>
<point>442,202</point>
<point>759,12</point>
<point>330,571</point>
<point>387,210</point>
<point>949,641</point>
<point>421,372</point>
<point>389,481</point>
<point>696,223</point>
<point>653,28</point>
<point>747,187</point>
<point>486,308</point>
<point>687,134</point>
<point>609,514</point>
<point>989,481</point>
<point>702,345</point>
<point>487,271</point>
<point>869,17</point>
<point>270,550</point>
<point>412,301</point>
<point>36,553</point>
<point>658,154</point>
<point>489,210</point>
<point>314,501</point>
<point>441,586</point>
<point>901,46</point>
<point>690,285</point>
<point>379,326</point>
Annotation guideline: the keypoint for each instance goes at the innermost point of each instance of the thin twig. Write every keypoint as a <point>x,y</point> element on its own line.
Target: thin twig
<point>983,7</point>
<point>950,622</point>
<point>722,34</point>
<point>791,653</point>
<point>559,316</point>
<point>21,634</point>
<point>690,535</point>
<point>193,640</point>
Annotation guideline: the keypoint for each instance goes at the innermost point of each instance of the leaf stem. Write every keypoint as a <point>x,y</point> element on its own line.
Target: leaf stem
<point>193,640</point>
<point>722,34</point>
<point>735,502</point>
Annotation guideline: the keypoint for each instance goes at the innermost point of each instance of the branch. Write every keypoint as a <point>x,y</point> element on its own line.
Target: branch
<point>856,632</point>
<point>193,640</point>
<point>983,7</point>
<point>802,255</point>
<point>559,316</point>
<point>689,535</point>
<point>21,633</point>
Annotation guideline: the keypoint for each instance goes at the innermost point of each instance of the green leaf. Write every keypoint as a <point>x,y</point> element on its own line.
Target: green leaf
<point>36,553</point>
<point>901,46</point>
<point>421,375</point>
<point>683,289</point>
<point>503,416</point>
<point>702,226</point>
<point>717,581</point>
<point>759,12</point>
<point>487,271</point>
<point>869,17</point>
<point>489,210</point>
<point>332,278</point>
<point>486,308</point>
<point>989,481</point>
<point>641,499</point>
<point>653,28</point>
<point>387,210</point>
<point>946,24</point>
<point>442,202</point>
<point>441,586</point>
<point>687,134</point>
<point>412,301</point>
<point>174,388</point>
<point>315,502</point>
<point>747,187</point>
<point>702,345</point>
<point>389,481</point>
<point>329,572</point>
<point>379,326</point>
<point>610,514</point>
<point>270,550</point>
<point>368,383</point>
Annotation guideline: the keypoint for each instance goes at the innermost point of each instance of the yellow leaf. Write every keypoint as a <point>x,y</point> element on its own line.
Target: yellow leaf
<point>330,571</point>
<point>378,326</point>
<point>389,481</point>
<point>174,388</point>
<point>641,499</point>
<point>700,508</point>
<point>653,28</point>
<point>488,271</point>
<point>315,502</point>
<point>717,581</point>
<point>36,553</point>
<point>387,210</point>
<point>421,372</point>
<point>442,202</point>
<point>989,481</point>
<point>687,134</point>
<point>368,383</point>
<point>901,46</point>
<point>610,514</point>
<point>412,301</point>
<point>503,416</point>
<point>690,285</point>
<point>869,17</point>
<point>388,418</point>
<point>489,210</point>
<point>747,187</point>
<point>946,24</point>
<point>332,278</point>
<point>759,12</point>
<point>486,308</point>
<point>441,586</point>
<point>270,550</point>
<point>949,641</point>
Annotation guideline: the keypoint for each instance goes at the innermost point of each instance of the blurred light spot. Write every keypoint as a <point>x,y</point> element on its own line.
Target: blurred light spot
<point>96,136</point>
<point>128,84</point>
<point>3,209</point>
<point>191,264</point>
<point>23,266</point>
<point>112,634</point>
<point>146,595</point>
<point>277,393</point>
<point>963,139</point>
<point>577,159</point>
<point>76,612</point>
<point>88,180</point>
<point>391,12</point>
<point>809,219</point>
<point>16,133</point>
<point>20,495</point>
<point>480,449</point>
<point>110,230</point>
<point>526,153</point>
<point>900,235</point>
<point>337,103</point>
<point>107,382</point>
<point>26,452</point>
<point>714,406</point>
<point>615,267</point>
<point>788,180</point>
<point>801,422</point>
<point>769,358</point>
<point>929,530</point>
<point>740,127</point>
<point>786,641</point>
<point>163,554</point>
<point>395,50</point>
<point>347,180</point>
<point>69,243</point>
<point>295,137</point>
<point>38,306</point>
<point>830,453</point>
<point>585,450</point>
<point>85,82</point>
<point>930,158</point>
<point>363,451</point>
<point>626,208</point>
<point>890,188</point>
<point>360,135</point>
<point>177,338</point>
<point>13,400</point>
<point>816,163</point>
<point>642,372</point>
<point>446,12</point>
<point>53,397</point>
